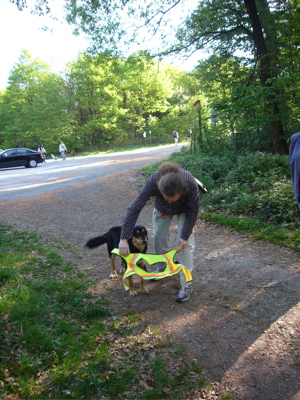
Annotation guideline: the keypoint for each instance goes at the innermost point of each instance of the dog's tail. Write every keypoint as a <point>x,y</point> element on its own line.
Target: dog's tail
<point>96,241</point>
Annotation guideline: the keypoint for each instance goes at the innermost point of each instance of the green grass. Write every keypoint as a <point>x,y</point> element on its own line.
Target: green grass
<point>279,234</point>
<point>58,340</point>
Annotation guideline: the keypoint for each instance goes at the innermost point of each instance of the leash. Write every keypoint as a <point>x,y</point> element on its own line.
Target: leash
<point>172,268</point>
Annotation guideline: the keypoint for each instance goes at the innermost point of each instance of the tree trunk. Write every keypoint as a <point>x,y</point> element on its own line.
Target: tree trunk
<point>265,72</point>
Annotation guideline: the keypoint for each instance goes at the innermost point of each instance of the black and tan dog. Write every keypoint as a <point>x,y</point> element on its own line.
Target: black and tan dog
<point>138,244</point>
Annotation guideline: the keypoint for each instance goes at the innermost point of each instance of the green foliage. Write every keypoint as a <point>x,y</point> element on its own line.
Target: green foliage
<point>236,102</point>
<point>248,192</point>
<point>252,184</point>
<point>255,95</point>
<point>101,101</point>
<point>33,108</point>
<point>250,100</point>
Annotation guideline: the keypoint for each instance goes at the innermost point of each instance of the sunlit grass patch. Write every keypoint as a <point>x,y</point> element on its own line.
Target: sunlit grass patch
<point>282,235</point>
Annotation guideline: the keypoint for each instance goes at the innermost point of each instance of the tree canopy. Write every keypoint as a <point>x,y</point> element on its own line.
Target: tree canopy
<point>261,35</point>
<point>99,100</point>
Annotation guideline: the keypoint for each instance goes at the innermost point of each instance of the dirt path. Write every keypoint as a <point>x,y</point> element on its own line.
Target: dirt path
<point>243,319</point>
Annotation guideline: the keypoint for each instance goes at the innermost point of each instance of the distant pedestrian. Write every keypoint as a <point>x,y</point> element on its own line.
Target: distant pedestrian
<point>42,150</point>
<point>176,137</point>
<point>62,149</point>
<point>189,135</point>
<point>294,161</point>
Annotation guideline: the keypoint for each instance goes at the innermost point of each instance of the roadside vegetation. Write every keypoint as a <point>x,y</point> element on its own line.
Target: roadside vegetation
<point>249,192</point>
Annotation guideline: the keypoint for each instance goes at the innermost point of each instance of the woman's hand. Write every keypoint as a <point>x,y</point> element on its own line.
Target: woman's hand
<point>181,245</point>
<point>124,247</point>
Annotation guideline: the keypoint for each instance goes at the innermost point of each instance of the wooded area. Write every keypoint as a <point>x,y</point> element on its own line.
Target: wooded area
<point>248,87</point>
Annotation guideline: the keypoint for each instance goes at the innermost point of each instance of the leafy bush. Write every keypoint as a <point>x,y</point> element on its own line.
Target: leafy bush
<point>250,184</point>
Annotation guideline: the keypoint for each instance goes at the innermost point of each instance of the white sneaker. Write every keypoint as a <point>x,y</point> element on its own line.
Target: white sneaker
<point>184,293</point>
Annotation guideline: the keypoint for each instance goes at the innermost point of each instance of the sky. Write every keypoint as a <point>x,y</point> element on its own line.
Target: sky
<point>22,30</point>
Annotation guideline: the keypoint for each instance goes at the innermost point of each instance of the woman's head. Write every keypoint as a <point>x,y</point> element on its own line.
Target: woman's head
<point>171,183</point>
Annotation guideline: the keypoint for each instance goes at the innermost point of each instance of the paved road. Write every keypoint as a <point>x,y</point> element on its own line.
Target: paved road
<point>21,183</point>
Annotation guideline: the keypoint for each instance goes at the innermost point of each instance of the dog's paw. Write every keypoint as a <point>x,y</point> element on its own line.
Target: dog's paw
<point>145,290</point>
<point>134,293</point>
<point>111,276</point>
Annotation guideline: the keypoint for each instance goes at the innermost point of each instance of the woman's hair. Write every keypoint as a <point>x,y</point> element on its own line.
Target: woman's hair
<point>171,181</point>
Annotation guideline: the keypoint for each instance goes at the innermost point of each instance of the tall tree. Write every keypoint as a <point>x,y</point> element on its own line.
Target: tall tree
<point>266,44</point>
<point>235,99</point>
<point>95,98</point>
<point>33,107</point>
<point>114,99</point>
<point>227,26</point>
<point>145,91</point>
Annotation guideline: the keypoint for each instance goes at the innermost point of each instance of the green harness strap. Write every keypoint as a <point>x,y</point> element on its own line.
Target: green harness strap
<point>171,267</point>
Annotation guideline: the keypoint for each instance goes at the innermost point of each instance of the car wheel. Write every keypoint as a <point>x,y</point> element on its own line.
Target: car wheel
<point>32,163</point>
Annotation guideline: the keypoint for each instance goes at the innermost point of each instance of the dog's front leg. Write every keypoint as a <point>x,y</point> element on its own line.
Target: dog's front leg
<point>113,266</point>
<point>141,263</point>
<point>143,287</point>
<point>123,267</point>
<point>129,280</point>
<point>131,286</point>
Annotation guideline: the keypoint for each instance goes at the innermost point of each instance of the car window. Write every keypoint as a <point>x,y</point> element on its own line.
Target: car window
<point>21,152</point>
<point>11,152</point>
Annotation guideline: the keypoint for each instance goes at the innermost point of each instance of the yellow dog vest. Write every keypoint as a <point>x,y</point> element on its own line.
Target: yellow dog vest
<point>171,267</point>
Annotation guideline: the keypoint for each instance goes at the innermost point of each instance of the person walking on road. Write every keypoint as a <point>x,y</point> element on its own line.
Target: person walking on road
<point>176,193</point>
<point>42,150</point>
<point>176,137</point>
<point>62,149</point>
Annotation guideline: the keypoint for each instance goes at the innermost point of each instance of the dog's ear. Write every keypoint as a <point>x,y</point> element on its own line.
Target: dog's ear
<point>140,232</point>
<point>144,232</point>
<point>136,233</point>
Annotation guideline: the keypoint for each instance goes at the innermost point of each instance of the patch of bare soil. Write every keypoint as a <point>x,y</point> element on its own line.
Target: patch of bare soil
<point>242,322</point>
